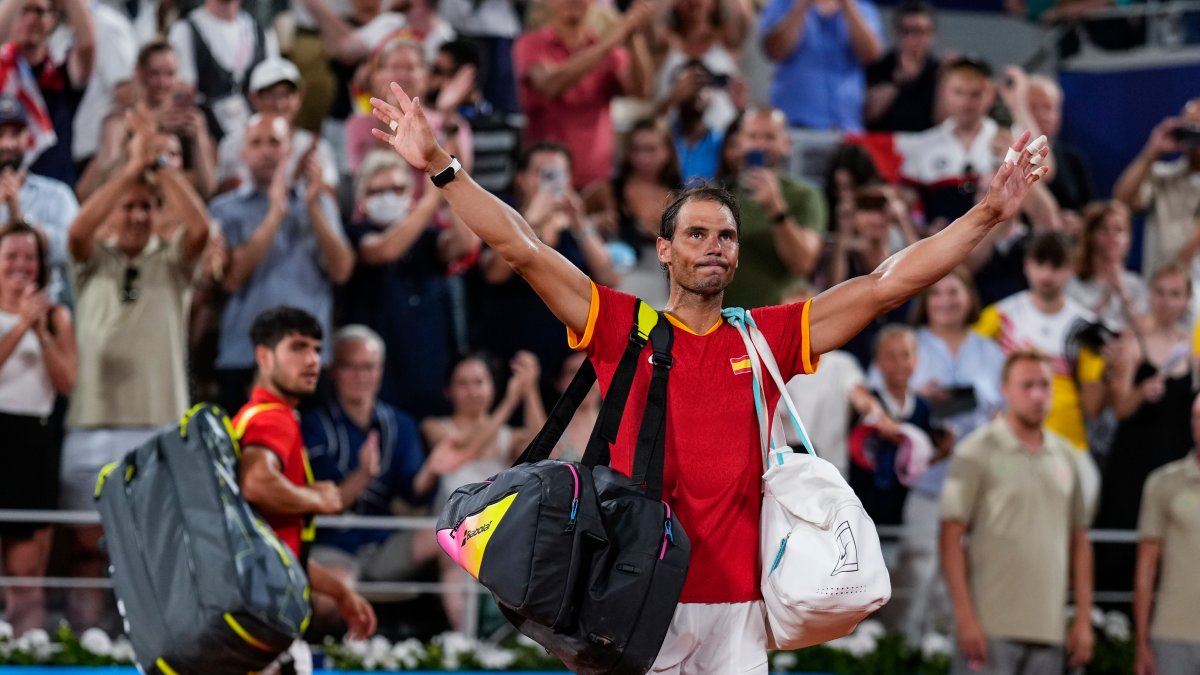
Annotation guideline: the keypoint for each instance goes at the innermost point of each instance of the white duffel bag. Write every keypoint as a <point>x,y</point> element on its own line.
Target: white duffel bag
<point>822,565</point>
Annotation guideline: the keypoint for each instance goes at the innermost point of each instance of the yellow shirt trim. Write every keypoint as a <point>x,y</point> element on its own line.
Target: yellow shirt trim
<point>679,324</point>
<point>807,359</point>
<point>581,343</point>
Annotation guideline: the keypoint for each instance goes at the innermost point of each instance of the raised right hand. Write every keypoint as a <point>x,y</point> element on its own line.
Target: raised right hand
<point>409,132</point>
<point>1160,142</point>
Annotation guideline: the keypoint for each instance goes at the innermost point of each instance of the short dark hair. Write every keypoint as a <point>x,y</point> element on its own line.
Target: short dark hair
<point>1049,248</point>
<point>485,359</point>
<point>155,46</point>
<point>272,325</point>
<point>914,8</point>
<point>701,193</point>
<point>43,255</point>
<point>969,64</point>
<point>462,52</point>
<point>526,157</point>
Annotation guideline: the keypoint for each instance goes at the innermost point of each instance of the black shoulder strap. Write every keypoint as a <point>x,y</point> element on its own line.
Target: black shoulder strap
<point>560,416</point>
<point>650,455</point>
<point>609,420</point>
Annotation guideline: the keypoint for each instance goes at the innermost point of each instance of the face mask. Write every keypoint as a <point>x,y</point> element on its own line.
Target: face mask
<point>386,208</point>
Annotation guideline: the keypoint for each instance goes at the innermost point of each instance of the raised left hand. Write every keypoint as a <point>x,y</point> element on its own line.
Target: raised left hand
<point>1012,181</point>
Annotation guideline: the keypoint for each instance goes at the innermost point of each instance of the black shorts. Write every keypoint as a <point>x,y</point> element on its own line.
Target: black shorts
<point>29,450</point>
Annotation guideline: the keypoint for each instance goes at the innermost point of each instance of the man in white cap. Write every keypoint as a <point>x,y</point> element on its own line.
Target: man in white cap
<point>276,88</point>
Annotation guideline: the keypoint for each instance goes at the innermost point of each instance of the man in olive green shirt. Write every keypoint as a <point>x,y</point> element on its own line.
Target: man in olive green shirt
<point>1169,531</point>
<point>1013,487</point>
<point>782,218</point>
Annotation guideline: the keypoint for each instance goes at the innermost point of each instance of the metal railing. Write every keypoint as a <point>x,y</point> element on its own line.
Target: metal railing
<point>384,590</point>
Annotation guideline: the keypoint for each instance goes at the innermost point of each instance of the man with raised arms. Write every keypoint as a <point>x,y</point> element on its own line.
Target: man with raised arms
<point>713,467</point>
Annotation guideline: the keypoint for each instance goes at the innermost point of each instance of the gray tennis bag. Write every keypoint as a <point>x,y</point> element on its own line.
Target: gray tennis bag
<point>202,582</point>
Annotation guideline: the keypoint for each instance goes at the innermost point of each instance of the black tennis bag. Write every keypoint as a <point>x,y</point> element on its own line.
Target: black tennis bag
<point>584,560</point>
<point>203,584</point>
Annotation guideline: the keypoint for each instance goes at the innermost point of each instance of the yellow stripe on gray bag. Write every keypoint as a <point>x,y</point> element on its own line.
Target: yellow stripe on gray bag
<point>162,665</point>
<point>103,475</point>
<point>245,634</point>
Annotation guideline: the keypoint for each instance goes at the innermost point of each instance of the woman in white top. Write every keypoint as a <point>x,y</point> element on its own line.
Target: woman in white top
<point>486,444</point>
<point>712,32</point>
<point>37,363</point>
<point>1102,284</point>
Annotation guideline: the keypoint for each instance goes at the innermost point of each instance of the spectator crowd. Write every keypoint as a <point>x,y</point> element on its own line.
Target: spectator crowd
<point>168,173</point>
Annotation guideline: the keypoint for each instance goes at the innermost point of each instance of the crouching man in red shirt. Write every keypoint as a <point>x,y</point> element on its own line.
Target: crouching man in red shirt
<point>275,475</point>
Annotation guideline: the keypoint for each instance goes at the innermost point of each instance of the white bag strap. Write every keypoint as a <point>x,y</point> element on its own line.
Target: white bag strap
<point>761,357</point>
<point>768,360</point>
<point>736,320</point>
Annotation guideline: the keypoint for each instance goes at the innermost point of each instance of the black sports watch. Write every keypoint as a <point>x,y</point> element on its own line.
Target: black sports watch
<point>442,178</point>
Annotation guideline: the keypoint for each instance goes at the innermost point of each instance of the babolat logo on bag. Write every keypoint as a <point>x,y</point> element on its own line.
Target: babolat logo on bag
<point>467,543</point>
<point>479,530</point>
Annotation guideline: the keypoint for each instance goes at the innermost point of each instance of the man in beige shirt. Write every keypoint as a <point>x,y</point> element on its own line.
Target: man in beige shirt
<point>132,291</point>
<point>1169,531</point>
<point>1168,190</point>
<point>1014,488</point>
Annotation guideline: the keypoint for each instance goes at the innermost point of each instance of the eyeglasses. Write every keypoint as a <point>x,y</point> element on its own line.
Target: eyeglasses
<point>34,10</point>
<point>129,294</point>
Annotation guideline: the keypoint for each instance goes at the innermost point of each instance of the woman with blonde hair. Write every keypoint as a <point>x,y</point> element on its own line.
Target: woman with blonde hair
<point>403,61</point>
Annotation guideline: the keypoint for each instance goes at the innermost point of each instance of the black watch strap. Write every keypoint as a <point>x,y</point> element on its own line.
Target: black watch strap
<point>442,178</point>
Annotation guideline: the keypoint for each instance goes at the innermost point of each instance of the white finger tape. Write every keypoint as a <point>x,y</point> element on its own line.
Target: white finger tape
<point>1038,144</point>
<point>1012,156</point>
<point>394,125</point>
<point>1036,159</point>
<point>1041,171</point>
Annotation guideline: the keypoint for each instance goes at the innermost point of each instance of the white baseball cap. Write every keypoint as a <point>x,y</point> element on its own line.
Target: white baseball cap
<point>272,71</point>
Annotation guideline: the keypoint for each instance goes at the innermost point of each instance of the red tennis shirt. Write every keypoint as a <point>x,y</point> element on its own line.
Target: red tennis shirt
<point>270,422</point>
<point>713,466</point>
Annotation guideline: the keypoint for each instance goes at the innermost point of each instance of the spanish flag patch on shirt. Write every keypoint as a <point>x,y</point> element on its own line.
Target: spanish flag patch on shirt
<point>740,365</point>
